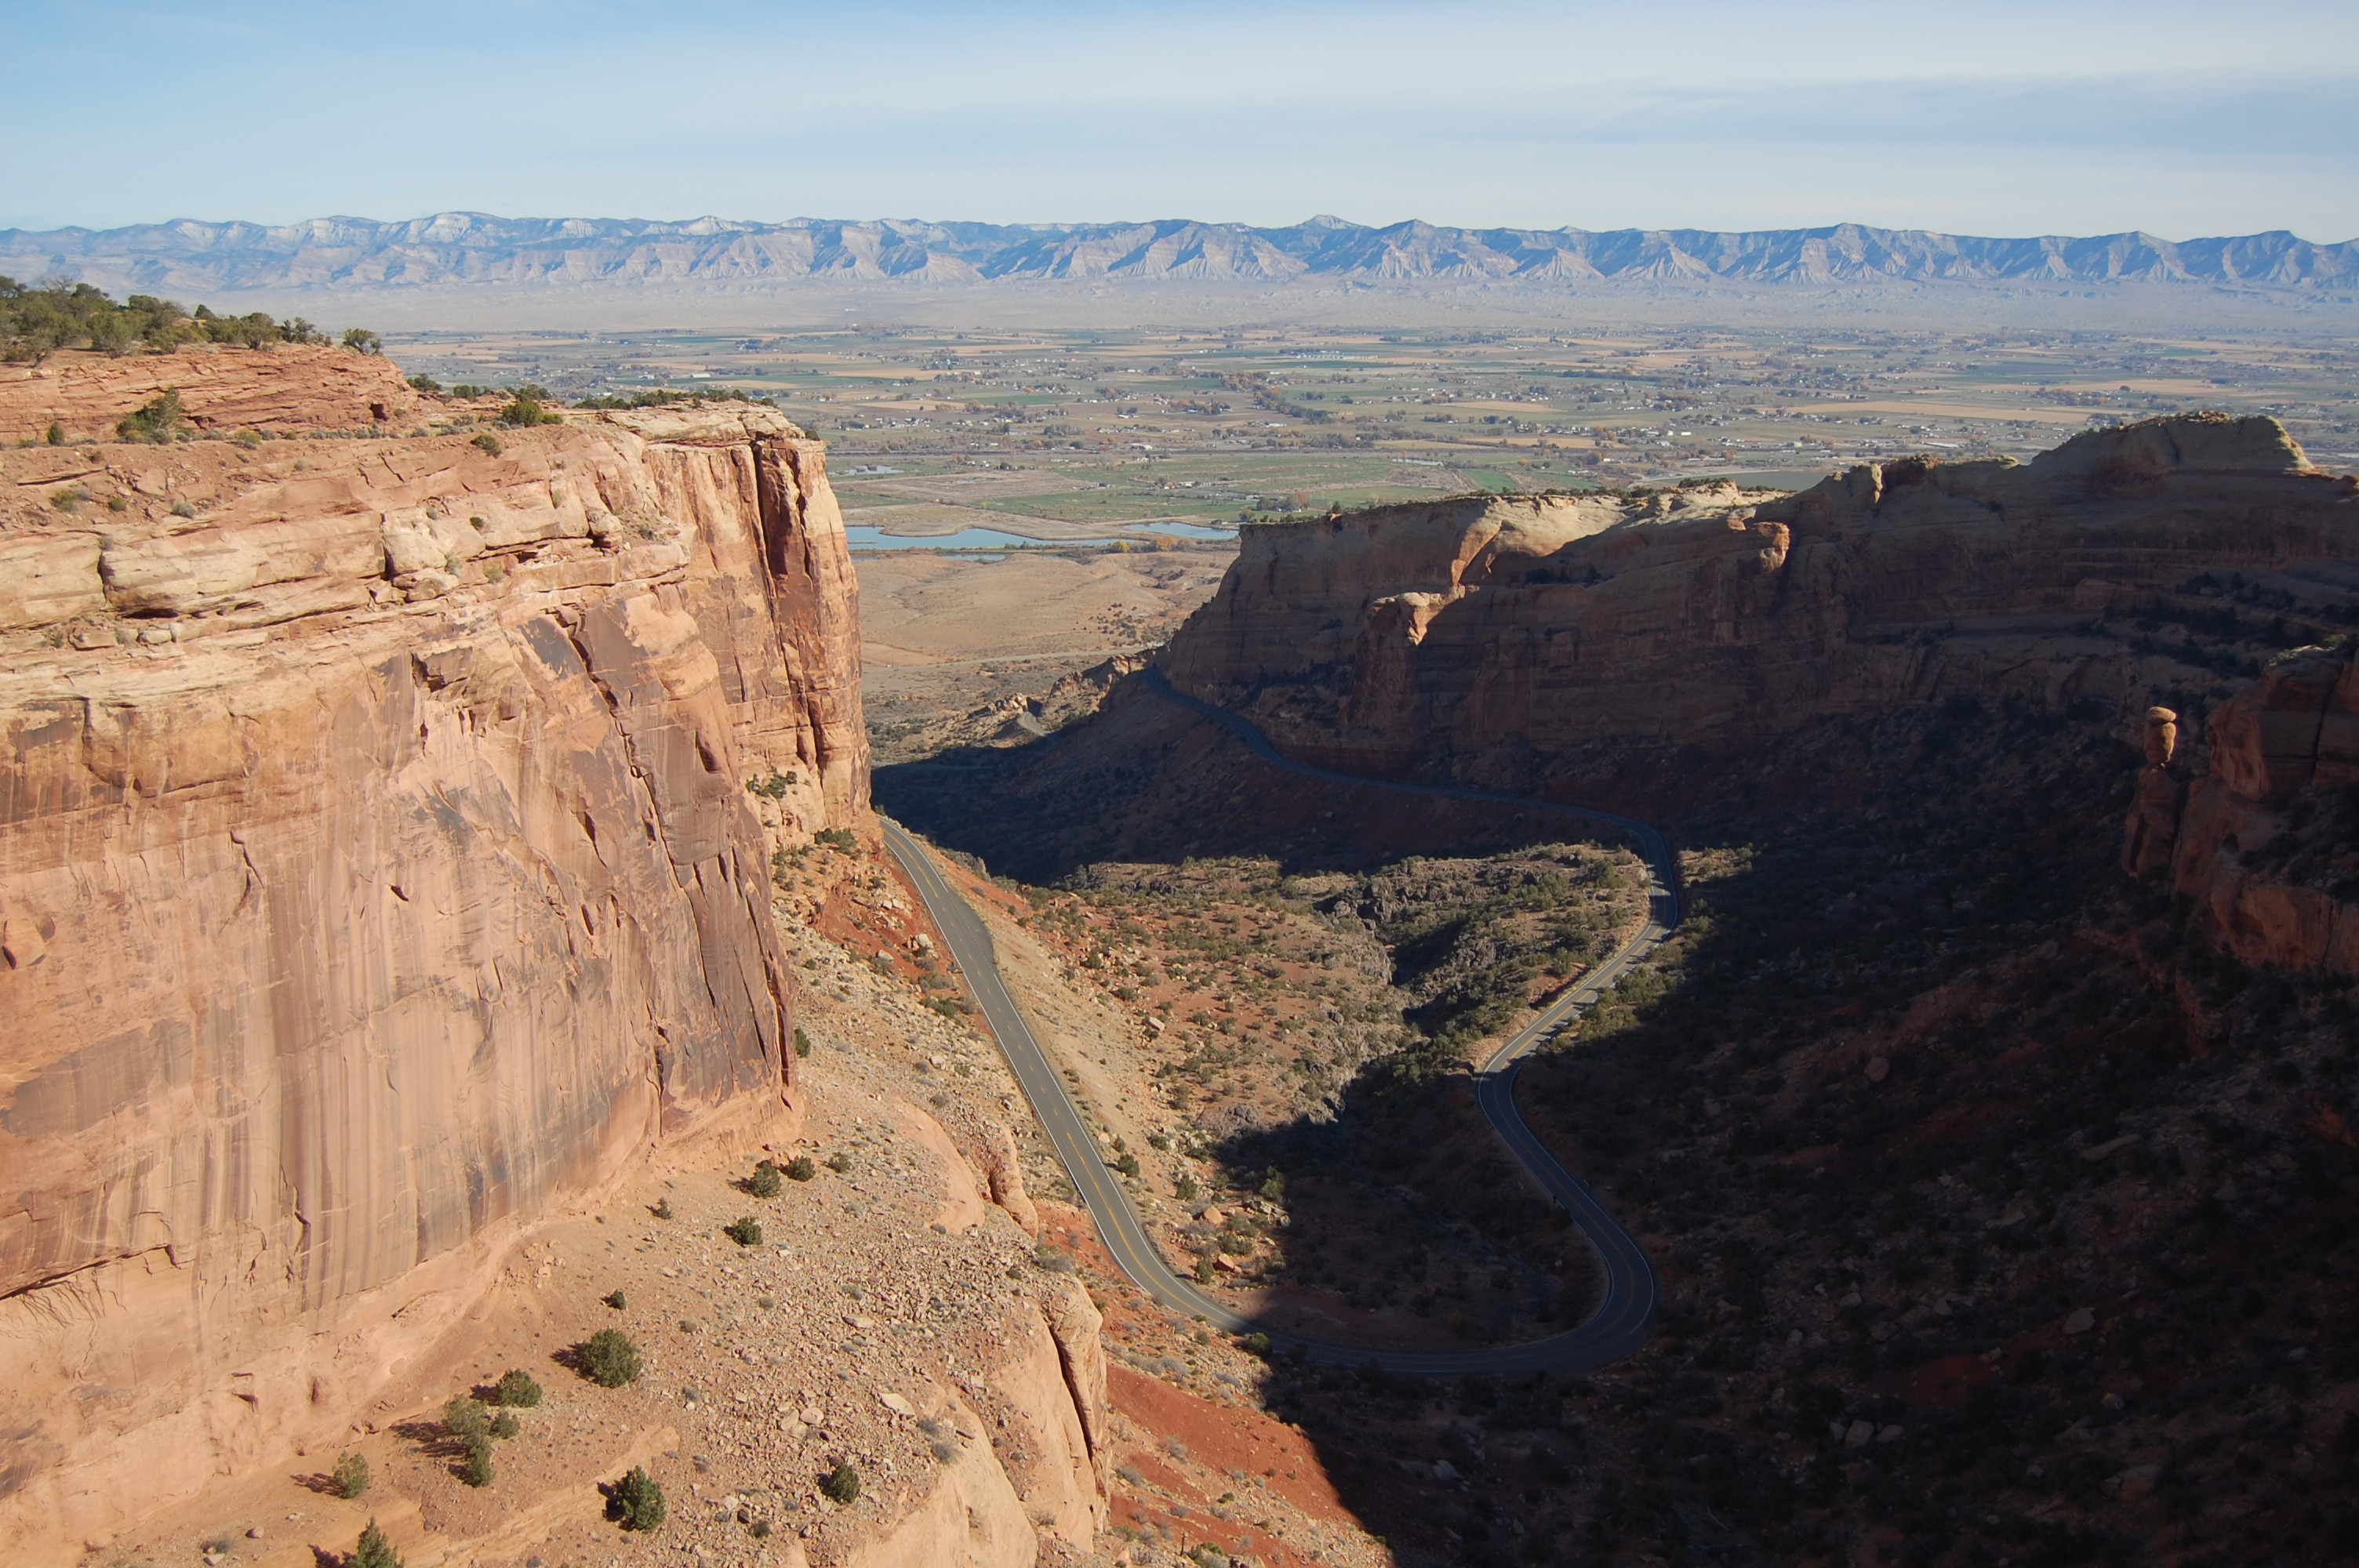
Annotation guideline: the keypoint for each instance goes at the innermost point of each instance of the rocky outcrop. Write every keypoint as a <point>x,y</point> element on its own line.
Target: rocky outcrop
<point>1004,1174</point>
<point>971,1517</point>
<point>2265,836</point>
<point>287,389</point>
<point>385,844</point>
<point>1050,1456</point>
<point>1507,639</point>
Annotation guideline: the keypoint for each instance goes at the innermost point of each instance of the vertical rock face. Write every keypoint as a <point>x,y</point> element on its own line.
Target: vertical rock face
<point>1504,639</point>
<point>2265,837</point>
<point>384,861</point>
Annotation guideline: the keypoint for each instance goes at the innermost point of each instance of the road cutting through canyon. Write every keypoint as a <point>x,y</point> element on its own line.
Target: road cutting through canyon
<point>1624,1313</point>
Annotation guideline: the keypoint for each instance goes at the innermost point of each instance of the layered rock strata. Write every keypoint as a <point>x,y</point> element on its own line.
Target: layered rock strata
<point>384,843</point>
<point>1506,640</point>
<point>286,389</point>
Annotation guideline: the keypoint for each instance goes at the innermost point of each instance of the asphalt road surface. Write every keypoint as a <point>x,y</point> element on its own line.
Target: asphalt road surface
<point>1625,1311</point>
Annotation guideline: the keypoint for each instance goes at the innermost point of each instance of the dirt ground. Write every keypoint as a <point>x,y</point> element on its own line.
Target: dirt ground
<point>948,640</point>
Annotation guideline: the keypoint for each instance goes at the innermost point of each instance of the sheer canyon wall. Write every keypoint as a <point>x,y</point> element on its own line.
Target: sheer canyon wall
<point>1515,640</point>
<point>385,826</point>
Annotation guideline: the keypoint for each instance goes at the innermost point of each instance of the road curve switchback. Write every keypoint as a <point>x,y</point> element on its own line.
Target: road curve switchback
<point>1624,1313</point>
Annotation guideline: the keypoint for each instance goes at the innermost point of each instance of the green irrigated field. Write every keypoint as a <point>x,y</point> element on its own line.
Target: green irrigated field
<point>1104,429</point>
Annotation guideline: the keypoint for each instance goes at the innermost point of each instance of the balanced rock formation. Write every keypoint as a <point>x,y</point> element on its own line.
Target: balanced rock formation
<point>1510,640</point>
<point>2265,837</point>
<point>385,830</point>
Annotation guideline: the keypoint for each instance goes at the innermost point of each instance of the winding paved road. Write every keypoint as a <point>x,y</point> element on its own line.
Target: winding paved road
<point>1622,1317</point>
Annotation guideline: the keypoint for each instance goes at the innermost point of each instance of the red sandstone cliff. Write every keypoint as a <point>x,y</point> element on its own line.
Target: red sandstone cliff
<point>378,871</point>
<point>287,388</point>
<point>1507,639</point>
<point>2265,835</point>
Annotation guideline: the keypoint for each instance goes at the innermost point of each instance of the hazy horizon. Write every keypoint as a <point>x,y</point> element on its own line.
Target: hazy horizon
<point>2020,120</point>
<point>1141,221</point>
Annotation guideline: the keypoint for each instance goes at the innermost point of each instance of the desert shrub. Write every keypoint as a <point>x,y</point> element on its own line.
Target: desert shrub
<point>361,340</point>
<point>842,1485</point>
<point>800,1168</point>
<point>504,1424</point>
<point>662,1209</point>
<point>158,419</point>
<point>351,1476</point>
<point>765,1183</point>
<point>424,384</point>
<point>518,1391</point>
<point>373,1551</point>
<point>526,409</point>
<point>802,1048</point>
<point>609,1358</point>
<point>489,442</point>
<point>745,1232</point>
<point>1128,1166</point>
<point>1053,1258</point>
<point>55,435</point>
<point>476,1468</point>
<point>36,321</point>
<point>616,1299</point>
<point>463,1419</point>
<point>839,1163</point>
<point>656,397</point>
<point>836,838</point>
<point>636,1501</point>
<point>1184,1189</point>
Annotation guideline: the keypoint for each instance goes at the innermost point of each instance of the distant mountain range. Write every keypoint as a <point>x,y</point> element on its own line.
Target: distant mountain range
<point>471,248</point>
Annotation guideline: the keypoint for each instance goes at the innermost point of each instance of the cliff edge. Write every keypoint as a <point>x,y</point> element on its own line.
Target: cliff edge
<point>385,830</point>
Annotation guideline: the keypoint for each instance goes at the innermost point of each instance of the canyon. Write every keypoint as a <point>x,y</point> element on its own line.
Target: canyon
<point>1987,1119</point>
<point>391,816</point>
<point>1507,641</point>
<point>437,860</point>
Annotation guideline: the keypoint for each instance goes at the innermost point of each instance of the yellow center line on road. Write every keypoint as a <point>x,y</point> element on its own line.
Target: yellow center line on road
<point>1624,1315</point>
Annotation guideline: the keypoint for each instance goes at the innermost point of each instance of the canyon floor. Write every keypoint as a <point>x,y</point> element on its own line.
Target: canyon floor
<point>2001,1215</point>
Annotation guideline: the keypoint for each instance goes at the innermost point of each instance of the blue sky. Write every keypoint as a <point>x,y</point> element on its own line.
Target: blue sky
<point>1991,117</point>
